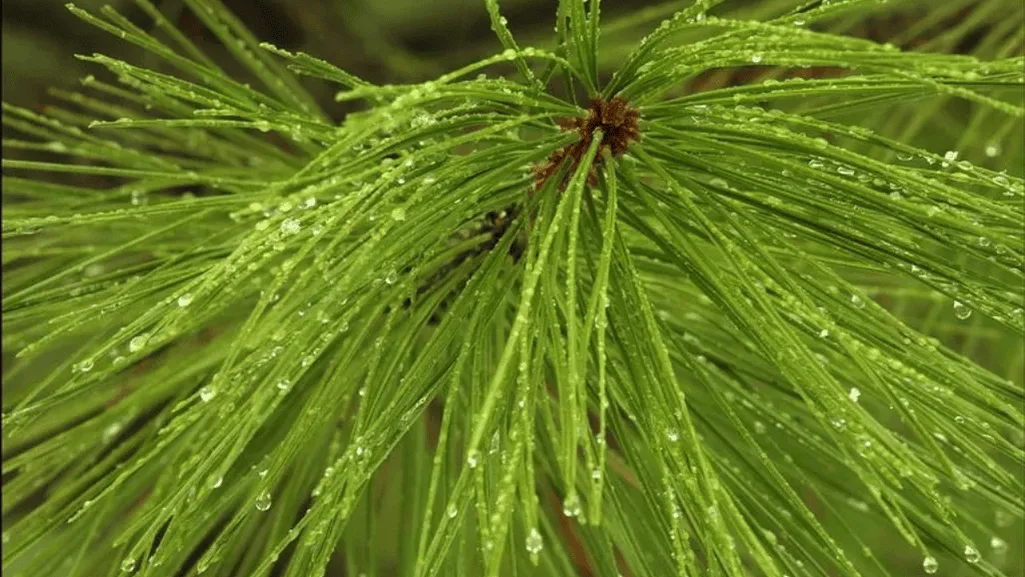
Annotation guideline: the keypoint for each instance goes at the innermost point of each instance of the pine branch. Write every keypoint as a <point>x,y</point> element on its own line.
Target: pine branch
<point>754,328</point>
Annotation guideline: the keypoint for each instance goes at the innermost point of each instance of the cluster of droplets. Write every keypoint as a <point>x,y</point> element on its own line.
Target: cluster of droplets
<point>971,554</point>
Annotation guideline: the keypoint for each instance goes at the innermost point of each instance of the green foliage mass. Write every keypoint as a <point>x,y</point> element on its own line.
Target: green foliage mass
<point>780,335</point>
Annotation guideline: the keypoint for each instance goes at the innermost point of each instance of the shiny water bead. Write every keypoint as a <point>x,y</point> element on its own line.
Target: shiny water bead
<point>290,226</point>
<point>534,542</point>
<point>571,507</point>
<point>971,554</point>
<point>207,393</point>
<point>137,343</point>
<point>961,311</point>
<point>263,502</point>
<point>930,565</point>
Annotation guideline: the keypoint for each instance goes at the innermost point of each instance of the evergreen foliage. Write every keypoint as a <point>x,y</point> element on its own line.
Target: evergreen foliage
<point>461,333</point>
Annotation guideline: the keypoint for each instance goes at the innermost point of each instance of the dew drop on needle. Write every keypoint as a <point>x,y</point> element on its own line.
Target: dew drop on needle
<point>263,502</point>
<point>961,311</point>
<point>534,542</point>
<point>930,565</point>
<point>971,554</point>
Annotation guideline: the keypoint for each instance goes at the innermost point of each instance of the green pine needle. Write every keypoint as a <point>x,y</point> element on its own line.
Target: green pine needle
<point>460,332</point>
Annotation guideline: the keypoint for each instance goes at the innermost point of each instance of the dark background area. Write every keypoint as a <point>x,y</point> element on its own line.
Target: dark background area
<point>382,41</point>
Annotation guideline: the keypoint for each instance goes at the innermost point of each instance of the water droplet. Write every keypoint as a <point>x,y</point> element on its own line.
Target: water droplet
<point>263,501</point>
<point>857,302</point>
<point>452,512</point>
<point>854,394</point>
<point>136,344</point>
<point>207,393</point>
<point>473,458</point>
<point>998,544</point>
<point>823,333</point>
<point>930,565</point>
<point>596,475</point>
<point>290,226</point>
<point>217,482</point>
<point>961,311</point>
<point>509,54</point>
<point>971,554</point>
<point>398,214</point>
<point>571,508</point>
<point>672,435</point>
<point>992,150</point>
<point>86,365</point>
<point>128,565</point>
<point>756,58</point>
<point>534,542</point>
<point>185,300</point>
